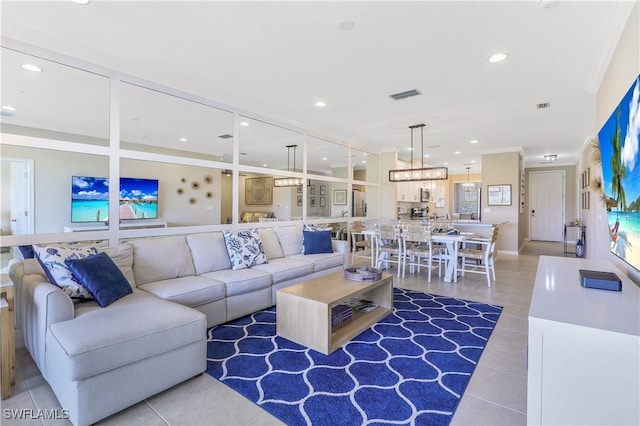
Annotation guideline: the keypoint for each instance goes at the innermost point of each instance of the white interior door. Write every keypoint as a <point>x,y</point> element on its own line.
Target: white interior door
<point>546,205</point>
<point>21,195</point>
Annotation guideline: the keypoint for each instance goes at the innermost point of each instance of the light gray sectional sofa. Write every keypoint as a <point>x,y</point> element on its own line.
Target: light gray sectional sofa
<point>99,361</point>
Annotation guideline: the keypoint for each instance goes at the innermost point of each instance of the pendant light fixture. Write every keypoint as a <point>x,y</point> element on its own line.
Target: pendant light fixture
<point>284,182</point>
<point>468,186</point>
<point>423,173</point>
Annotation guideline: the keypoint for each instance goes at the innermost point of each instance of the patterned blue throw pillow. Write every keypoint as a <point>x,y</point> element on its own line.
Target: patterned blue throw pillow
<point>101,277</point>
<point>53,258</point>
<point>244,248</point>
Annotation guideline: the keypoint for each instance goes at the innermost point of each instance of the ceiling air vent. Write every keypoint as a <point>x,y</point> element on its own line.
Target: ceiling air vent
<point>404,95</point>
<point>543,105</point>
<point>225,136</point>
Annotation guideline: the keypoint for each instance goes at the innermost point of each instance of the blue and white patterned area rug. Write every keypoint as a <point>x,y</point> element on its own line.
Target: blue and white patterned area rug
<point>411,367</point>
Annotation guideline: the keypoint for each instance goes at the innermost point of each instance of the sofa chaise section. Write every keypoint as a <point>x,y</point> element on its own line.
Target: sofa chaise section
<point>106,359</point>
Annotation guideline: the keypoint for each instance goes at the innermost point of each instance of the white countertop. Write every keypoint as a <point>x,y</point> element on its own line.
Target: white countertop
<point>558,296</point>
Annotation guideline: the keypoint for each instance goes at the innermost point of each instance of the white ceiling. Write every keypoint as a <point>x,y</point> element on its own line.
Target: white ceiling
<point>276,59</point>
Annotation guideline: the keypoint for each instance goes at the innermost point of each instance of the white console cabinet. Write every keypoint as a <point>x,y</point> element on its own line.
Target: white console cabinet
<point>584,348</point>
<point>123,225</point>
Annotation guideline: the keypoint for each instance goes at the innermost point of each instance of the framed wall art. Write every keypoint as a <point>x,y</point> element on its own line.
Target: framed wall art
<point>499,195</point>
<point>340,197</point>
<point>258,191</point>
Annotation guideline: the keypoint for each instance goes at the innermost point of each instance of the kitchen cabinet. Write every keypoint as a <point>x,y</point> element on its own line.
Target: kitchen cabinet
<point>408,192</point>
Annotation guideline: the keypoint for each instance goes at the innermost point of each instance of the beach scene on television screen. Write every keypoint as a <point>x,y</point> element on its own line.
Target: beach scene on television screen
<point>89,199</point>
<point>138,198</point>
<point>618,140</point>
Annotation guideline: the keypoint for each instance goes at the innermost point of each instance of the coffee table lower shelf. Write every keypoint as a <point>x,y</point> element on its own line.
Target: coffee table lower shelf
<point>304,310</point>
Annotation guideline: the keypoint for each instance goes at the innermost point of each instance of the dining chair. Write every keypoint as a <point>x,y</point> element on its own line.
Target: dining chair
<point>390,247</point>
<point>481,258</point>
<point>363,244</point>
<point>420,251</point>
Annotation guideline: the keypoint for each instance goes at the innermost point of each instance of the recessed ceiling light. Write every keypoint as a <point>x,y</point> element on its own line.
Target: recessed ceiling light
<point>265,165</point>
<point>8,108</point>
<point>457,152</point>
<point>364,161</point>
<point>446,164</point>
<point>426,155</point>
<point>324,158</point>
<point>31,67</point>
<point>474,141</point>
<point>244,123</point>
<point>183,139</point>
<point>498,57</point>
<point>83,2</point>
<point>321,104</point>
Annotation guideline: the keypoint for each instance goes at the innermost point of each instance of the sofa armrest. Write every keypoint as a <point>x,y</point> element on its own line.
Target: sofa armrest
<point>341,246</point>
<point>41,304</point>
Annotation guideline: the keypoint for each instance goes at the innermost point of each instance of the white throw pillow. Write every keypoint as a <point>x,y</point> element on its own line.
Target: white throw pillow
<point>244,248</point>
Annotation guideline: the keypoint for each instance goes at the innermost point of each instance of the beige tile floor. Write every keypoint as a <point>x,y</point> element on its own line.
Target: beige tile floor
<point>496,395</point>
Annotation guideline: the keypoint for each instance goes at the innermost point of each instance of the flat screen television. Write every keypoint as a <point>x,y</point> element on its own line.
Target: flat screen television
<point>138,198</point>
<point>618,140</point>
<point>89,199</point>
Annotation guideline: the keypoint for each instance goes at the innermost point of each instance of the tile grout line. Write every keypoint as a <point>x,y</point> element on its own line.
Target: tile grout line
<point>146,401</point>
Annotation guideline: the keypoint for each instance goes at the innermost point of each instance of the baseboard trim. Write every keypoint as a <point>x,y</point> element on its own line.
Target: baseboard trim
<point>511,252</point>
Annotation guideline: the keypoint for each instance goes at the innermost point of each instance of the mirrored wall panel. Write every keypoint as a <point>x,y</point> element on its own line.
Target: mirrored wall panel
<point>157,122</point>
<point>154,194</point>
<point>69,189</point>
<point>364,201</point>
<point>48,100</point>
<point>266,145</point>
<point>327,158</point>
<point>365,166</point>
<point>260,201</point>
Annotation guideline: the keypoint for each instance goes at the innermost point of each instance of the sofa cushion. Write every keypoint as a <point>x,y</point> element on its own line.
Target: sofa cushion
<point>270,243</point>
<point>322,261</point>
<point>189,291</point>
<point>133,328</point>
<point>101,277</point>
<point>285,269</point>
<point>290,239</point>
<point>244,248</point>
<point>209,252</point>
<point>52,259</point>
<point>122,256</point>
<point>161,258</point>
<point>316,241</point>
<point>241,281</point>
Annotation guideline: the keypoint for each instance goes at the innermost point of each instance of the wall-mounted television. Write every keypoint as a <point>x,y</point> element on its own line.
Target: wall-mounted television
<point>618,140</point>
<point>89,199</point>
<point>138,198</point>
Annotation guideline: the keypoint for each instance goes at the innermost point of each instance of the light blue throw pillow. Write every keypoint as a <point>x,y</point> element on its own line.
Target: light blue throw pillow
<point>244,248</point>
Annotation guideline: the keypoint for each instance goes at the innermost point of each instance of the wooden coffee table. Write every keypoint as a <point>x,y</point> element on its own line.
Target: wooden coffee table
<point>303,312</point>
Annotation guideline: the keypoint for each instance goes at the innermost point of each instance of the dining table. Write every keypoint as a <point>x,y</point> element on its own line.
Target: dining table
<point>452,242</point>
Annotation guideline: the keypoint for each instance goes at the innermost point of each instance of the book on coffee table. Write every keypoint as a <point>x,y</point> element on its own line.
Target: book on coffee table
<point>361,305</point>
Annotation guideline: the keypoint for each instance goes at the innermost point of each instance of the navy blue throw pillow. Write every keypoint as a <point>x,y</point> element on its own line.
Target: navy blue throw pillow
<point>100,277</point>
<point>27,252</point>
<point>317,242</point>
